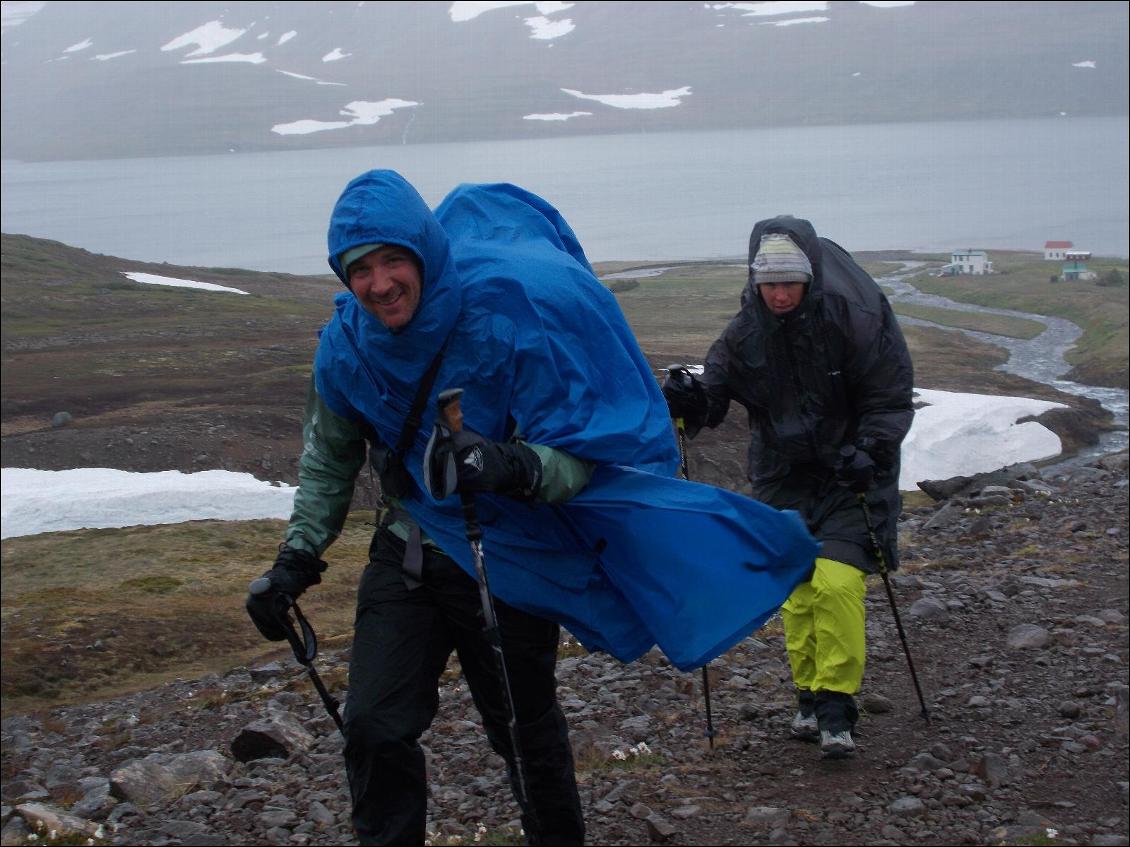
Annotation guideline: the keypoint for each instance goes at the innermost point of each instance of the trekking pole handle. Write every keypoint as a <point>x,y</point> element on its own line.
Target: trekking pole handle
<point>681,374</point>
<point>450,407</point>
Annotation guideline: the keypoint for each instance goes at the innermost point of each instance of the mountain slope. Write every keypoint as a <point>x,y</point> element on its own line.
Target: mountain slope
<point>113,79</point>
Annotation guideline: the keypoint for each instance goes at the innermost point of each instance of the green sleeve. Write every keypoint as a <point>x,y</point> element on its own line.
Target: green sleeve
<point>562,475</point>
<point>333,453</point>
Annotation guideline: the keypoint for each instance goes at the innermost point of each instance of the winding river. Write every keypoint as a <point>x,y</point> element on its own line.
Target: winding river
<point>1040,359</point>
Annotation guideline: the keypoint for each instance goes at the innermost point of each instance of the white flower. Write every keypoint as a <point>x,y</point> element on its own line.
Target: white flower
<point>619,755</point>
<point>1052,833</point>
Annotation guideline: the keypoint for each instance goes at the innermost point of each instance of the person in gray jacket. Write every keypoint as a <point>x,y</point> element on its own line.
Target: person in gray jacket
<point>816,357</point>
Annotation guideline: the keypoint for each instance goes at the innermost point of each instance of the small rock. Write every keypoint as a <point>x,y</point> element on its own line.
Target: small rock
<point>929,608</point>
<point>1028,636</point>
<point>907,807</point>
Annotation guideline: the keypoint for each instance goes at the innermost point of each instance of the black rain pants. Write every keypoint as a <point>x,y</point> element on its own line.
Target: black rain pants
<point>402,640</point>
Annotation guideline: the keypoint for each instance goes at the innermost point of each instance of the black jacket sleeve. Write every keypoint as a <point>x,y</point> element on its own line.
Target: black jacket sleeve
<point>881,384</point>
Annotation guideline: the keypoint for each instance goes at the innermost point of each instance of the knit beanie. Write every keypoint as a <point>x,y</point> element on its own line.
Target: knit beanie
<point>779,259</point>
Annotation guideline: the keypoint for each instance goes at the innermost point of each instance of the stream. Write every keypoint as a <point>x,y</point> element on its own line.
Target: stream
<point>1040,359</point>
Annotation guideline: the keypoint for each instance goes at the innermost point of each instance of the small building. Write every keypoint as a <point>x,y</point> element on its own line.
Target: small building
<point>975,262</point>
<point>1054,250</point>
<point>1075,265</point>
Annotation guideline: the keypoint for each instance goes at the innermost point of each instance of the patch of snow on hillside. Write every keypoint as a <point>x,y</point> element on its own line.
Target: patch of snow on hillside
<point>336,55</point>
<point>966,434</point>
<point>545,30</point>
<point>250,58</point>
<point>792,21</point>
<point>752,10</point>
<point>1089,63</point>
<point>153,279</point>
<point>105,57</point>
<point>555,116</point>
<point>208,37</point>
<point>313,79</point>
<point>285,37</point>
<point>35,501</point>
<point>662,100</point>
<point>361,112</point>
<point>468,11</point>
<point>82,45</point>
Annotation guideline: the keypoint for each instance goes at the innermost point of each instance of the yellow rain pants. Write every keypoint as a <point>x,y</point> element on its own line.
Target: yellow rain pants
<point>824,629</point>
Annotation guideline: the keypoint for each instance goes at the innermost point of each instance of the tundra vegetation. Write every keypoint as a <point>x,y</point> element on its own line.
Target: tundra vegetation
<point>161,378</point>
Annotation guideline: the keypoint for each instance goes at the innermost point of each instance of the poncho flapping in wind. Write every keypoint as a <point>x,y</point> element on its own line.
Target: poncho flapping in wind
<point>541,348</point>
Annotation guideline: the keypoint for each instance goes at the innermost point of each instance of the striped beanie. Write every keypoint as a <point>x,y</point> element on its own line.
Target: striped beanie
<point>778,259</point>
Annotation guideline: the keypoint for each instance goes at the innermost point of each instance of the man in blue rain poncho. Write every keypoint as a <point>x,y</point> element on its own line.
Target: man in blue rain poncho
<point>573,452</point>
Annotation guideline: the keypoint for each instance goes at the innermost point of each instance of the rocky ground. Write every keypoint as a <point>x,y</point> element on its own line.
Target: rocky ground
<point>1013,595</point>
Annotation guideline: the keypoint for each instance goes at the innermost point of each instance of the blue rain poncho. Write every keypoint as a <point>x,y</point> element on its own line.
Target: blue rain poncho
<point>540,347</point>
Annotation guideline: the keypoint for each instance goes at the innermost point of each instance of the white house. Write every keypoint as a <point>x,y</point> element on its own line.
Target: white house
<point>1054,250</point>
<point>974,262</point>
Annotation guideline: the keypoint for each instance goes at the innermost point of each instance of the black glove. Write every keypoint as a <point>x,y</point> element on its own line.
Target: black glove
<point>856,470</point>
<point>511,469</point>
<point>294,571</point>
<point>686,398</point>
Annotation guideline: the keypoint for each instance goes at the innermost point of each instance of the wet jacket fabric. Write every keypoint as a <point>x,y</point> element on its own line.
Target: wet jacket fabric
<point>834,371</point>
<point>539,346</point>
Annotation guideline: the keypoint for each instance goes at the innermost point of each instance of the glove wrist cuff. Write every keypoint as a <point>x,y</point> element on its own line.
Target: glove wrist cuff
<point>525,471</point>
<point>300,561</point>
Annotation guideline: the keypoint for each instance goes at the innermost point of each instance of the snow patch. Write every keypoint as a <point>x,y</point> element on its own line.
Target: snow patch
<point>154,279</point>
<point>662,100</point>
<point>105,57</point>
<point>555,116</point>
<point>360,112</point>
<point>208,38</point>
<point>34,501</point>
<point>966,434</point>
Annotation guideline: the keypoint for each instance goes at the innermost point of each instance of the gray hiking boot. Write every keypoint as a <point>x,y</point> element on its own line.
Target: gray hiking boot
<point>804,727</point>
<point>836,745</point>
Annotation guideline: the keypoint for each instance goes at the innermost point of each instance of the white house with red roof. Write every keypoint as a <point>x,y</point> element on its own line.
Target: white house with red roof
<point>1054,251</point>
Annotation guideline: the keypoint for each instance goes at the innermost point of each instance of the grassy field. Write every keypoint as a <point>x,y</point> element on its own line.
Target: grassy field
<point>1023,281</point>
<point>993,324</point>
<point>93,613</point>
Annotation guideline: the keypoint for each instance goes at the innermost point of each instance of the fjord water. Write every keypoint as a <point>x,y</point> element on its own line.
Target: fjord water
<point>1007,184</point>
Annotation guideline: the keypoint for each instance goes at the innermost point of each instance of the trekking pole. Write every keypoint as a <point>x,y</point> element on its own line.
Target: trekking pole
<point>305,647</point>
<point>449,408</point>
<point>891,597</point>
<point>680,373</point>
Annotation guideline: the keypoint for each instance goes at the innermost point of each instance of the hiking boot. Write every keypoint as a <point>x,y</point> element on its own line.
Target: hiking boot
<point>804,727</point>
<point>836,745</point>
